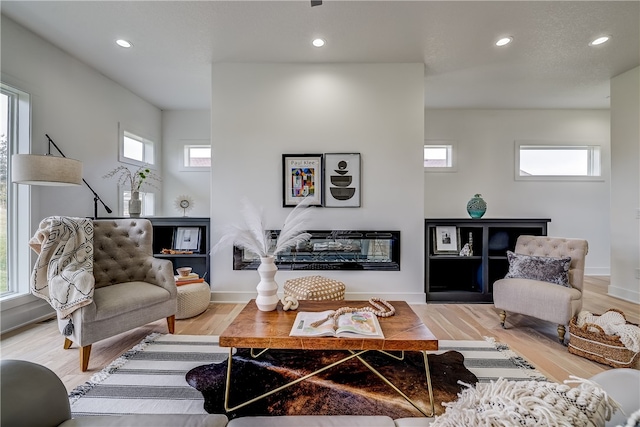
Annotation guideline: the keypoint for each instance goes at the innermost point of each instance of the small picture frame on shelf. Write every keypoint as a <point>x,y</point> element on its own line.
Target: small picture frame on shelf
<point>446,239</point>
<point>187,239</point>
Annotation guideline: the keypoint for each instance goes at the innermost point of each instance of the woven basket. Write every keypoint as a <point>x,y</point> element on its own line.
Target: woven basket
<point>600,347</point>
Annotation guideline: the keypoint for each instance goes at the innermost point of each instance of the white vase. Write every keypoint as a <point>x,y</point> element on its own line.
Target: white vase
<point>135,204</point>
<point>267,299</point>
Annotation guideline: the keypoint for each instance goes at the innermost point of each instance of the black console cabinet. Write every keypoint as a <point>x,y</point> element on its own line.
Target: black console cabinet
<point>165,233</point>
<point>450,277</point>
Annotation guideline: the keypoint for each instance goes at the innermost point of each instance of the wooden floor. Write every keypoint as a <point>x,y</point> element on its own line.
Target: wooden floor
<point>534,340</point>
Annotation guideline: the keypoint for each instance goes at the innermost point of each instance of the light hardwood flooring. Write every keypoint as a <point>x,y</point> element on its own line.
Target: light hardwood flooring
<point>532,339</point>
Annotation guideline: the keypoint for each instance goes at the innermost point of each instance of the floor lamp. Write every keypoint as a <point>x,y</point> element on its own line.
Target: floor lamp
<point>34,169</point>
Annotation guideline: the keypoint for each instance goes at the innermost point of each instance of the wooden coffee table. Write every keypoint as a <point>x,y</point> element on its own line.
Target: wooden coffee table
<point>255,329</point>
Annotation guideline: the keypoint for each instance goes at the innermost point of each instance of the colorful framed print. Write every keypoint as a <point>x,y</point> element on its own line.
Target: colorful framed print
<point>342,180</point>
<point>301,178</point>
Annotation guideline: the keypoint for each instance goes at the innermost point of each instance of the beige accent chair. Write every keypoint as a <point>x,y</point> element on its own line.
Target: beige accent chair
<point>132,288</point>
<point>543,300</point>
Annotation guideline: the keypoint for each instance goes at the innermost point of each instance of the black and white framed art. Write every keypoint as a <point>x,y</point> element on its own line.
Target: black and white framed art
<point>342,180</point>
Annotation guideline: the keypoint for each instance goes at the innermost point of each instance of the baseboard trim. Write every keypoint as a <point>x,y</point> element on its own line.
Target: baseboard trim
<point>624,294</point>
<point>597,271</point>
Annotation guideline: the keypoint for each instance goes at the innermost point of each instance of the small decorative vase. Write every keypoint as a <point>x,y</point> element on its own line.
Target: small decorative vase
<point>267,299</point>
<point>135,204</point>
<point>476,206</point>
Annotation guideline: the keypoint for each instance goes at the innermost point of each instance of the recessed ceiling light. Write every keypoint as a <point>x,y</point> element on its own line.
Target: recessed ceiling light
<point>123,43</point>
<point>599,40</point>
<point>318,42</point>
<point>504,41</point>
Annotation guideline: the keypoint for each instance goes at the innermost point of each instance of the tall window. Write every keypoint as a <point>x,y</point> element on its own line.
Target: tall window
<point>15,137</point>
<point>558,161</point>
<point>4,172</point>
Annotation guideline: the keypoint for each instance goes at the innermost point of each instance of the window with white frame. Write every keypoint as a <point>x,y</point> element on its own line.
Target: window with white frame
<point>147,200</point>
<point>135,149</point>
<point>557,161</point>
<point>196,156</point>
<point>15,118</point>
<point>440,156</point>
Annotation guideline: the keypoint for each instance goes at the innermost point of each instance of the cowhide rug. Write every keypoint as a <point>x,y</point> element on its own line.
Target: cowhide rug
<point>347,389</point>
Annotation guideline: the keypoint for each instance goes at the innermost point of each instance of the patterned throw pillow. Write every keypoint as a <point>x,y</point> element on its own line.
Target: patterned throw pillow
<point>546,269</point>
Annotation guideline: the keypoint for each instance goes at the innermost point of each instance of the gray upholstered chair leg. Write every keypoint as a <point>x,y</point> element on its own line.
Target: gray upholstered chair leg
<point>503,317</point>
<point>561,332</point>
<point>171,324</point>
<point>85,353</point>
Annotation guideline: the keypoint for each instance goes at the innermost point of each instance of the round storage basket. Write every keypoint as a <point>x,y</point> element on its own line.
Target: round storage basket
<point>193,299</point>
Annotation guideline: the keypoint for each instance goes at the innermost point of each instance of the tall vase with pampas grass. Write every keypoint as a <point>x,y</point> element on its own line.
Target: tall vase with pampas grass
<point>253,237</point>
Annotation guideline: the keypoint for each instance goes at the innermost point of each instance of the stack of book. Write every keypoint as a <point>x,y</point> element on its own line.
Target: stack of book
<point>190,278</point>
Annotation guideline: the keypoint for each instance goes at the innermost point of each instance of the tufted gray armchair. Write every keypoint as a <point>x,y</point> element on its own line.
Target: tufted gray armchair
<point>132,288</point>
<point>543,300</point>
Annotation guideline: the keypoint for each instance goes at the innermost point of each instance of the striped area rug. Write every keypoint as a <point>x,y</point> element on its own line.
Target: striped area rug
<point>150,378</point>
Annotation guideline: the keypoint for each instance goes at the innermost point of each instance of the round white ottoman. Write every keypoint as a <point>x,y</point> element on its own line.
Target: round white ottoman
<point>193,299</point>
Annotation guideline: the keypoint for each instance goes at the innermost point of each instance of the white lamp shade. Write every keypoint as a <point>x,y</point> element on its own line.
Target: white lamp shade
<point>34,169</point>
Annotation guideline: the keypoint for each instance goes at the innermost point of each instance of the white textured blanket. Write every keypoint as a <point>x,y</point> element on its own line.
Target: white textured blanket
<point>613,323</point>
<point>63,274</point>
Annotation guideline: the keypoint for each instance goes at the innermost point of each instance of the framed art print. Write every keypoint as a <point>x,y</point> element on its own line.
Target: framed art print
<point>446,239</point>
<point>301,178</point>
<point>187,238</point>
<point>342,180</point>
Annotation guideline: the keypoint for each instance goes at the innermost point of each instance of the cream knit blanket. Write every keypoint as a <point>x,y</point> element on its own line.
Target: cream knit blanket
<point>63,273</point>
<point>505,403</point>
<point>613,323</point>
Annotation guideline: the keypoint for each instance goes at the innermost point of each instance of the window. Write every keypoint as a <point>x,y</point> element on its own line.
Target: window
<point>196,156</point>
<point>557,161</point>
<point>135,149</point>
<point>440,156</point>
<point>15,127</point>
<point>147,205</point>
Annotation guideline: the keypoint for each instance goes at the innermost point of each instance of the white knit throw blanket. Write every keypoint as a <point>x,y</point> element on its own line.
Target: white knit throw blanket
<point>504,403</point>
<point>63,274</point>
<point>613,323</point>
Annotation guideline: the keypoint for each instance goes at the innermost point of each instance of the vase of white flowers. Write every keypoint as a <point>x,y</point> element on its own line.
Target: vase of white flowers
<point>253,237</point>
<point>134,181</point>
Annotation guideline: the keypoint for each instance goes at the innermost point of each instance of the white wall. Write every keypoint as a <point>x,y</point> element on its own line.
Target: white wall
<point>261,111</point>
<point>625,186</point>
<point>80,109</point>
<point>180,128</point>
<point>486,151</point>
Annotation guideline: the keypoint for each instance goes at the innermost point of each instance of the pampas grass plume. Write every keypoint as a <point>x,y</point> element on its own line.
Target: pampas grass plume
<point>253,237</point>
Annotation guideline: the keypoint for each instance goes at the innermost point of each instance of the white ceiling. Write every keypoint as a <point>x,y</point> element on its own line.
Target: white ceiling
<point>548,65</point>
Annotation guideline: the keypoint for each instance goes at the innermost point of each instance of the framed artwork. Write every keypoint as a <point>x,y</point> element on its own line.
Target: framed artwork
<point>301,178</point>
<point>342,180</point>
<point>446,240</point>
<point>187,239</point>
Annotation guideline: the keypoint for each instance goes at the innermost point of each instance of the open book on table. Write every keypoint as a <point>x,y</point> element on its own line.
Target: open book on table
<point>361,324</point>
